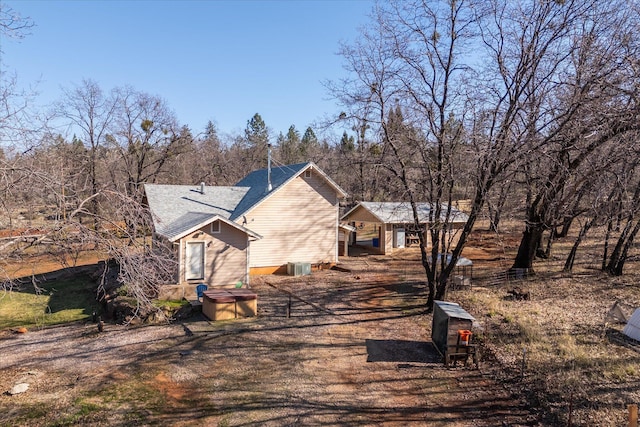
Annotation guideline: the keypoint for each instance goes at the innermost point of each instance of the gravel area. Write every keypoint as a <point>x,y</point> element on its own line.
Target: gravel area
<point>355,351</point>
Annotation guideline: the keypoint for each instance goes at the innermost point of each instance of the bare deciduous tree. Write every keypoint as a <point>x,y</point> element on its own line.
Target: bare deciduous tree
<point>12,24</point>
<point>519,87</point>
<point>123,238</point>
<point>146,136</point>
<point>90,113</point>
<point>405,87</point>
<point>591,74</point>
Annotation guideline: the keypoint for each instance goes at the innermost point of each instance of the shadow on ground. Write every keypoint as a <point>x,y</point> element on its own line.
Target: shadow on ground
<point>401,351</point>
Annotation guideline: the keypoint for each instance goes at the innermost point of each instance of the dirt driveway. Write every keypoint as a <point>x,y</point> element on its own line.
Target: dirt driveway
<point>356,351</point>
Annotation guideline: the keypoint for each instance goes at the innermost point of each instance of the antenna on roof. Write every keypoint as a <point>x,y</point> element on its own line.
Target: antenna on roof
<point>269,187</point>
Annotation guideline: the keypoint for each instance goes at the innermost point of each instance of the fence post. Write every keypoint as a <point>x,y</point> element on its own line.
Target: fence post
<point>289,307</point>
<point>633,415</point>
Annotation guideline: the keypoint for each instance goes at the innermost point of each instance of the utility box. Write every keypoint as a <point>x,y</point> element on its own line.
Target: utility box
<point>451,331</point>
<point>298,269</point>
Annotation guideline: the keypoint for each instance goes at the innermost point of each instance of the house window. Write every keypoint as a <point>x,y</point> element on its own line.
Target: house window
<point>194,268</point>
<point>215,227</point>
<point>307,173</point>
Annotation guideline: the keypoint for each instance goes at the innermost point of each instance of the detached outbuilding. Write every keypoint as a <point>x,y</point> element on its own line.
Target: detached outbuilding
<point>384,226</point>
<point>452,331</point>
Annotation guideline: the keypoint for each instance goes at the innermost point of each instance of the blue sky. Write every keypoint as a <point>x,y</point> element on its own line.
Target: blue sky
<point>222,61</point>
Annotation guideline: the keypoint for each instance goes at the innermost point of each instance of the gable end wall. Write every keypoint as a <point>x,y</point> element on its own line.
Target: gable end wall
<point>298,223</point>
<point>225,259</point>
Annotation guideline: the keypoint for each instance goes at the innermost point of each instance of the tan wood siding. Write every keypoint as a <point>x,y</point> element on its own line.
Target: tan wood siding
<point>298,223</point>
<point>225,259</point>
<point>361,214</point>
<point>388,238</point>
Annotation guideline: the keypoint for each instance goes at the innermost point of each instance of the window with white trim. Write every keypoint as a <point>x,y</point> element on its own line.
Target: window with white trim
<point>215,227</point>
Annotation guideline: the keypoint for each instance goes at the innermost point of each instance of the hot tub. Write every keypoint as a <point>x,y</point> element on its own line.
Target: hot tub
<point>246,302</point>
<point>225,304</point>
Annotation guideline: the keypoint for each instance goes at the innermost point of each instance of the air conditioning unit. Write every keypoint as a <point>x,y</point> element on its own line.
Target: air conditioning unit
<point>298,268</point>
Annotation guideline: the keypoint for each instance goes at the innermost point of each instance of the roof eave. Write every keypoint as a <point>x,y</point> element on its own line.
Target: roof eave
<point>363,207</point>
<point>209,221</point>
<point>342,194</point>
<point>347,227</point>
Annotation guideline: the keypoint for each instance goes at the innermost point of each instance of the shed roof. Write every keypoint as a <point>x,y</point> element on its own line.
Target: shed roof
<point>454,310</point>
<point>461,262</point>
<point>401,212</point>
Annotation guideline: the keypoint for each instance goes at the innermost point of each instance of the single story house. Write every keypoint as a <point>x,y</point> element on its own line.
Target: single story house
<point>272,217</point>
<point>382,227</point>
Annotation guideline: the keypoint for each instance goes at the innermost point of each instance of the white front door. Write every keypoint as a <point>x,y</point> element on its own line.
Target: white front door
<point>195,261</point>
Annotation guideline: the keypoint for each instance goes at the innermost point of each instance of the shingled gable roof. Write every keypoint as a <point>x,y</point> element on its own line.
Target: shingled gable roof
<point>209,220</point>
<point>180,209</point>
<point>257,182</point>
<point>401,212</point>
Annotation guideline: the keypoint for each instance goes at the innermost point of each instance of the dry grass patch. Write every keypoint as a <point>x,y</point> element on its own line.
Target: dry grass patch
<point>557,348</point>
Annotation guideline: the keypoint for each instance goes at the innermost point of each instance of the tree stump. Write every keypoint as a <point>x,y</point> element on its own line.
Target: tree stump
<point>520,294</point>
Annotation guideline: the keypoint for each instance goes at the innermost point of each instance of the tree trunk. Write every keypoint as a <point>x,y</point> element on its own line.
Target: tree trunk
<point>495,212</point>
<point>528,246</point>
<point>619,254</point>
<point>605,251</point>
<point>546,253</point>
<point>441,289</point>
<point>494,217</point>
<point>568,265</point>
<point>429,272</point>
<point>95,207</point>
<point>566,225</point>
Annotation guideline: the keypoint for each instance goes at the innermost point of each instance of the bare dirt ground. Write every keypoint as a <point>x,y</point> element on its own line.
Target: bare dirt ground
<point>359,354</point>
<point>356,351</point>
